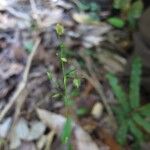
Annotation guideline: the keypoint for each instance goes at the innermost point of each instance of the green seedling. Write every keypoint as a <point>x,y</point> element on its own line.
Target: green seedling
<point>130,114</point>
<point>130,10</point>
<point>67,75</point>
<point>116,22</point>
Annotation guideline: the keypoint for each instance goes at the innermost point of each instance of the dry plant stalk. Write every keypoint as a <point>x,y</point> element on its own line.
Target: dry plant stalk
<point>22,84</point>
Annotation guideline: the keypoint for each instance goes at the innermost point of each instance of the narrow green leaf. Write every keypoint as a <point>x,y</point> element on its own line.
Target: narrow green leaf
<point>70,72</point>
<point>118,91</point>
<point>65,81</point>
<point>141,122</point>
<point>135,78</point>
<point>49,75</point>
<point>116,22</point>
<point>145,110</point>
<point>82,111</point>
<point>68,102</point>
<point>56,95</point>
<point>122,133</point>
<point>67,130</point>
<point>137,133</point>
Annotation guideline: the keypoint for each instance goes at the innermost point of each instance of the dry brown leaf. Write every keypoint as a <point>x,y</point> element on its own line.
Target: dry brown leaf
<point>108,139</point>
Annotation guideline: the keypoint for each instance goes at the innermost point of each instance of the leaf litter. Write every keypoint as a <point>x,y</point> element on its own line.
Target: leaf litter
<point>22,123</point>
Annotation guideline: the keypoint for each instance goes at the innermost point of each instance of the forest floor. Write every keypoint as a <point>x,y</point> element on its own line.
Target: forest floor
<point>32,113</point>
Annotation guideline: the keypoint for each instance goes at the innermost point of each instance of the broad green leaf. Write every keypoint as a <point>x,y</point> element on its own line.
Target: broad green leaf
<point>135,78</point>
<point>59,29</point>
<point>116,22</point>
<point>76,82</point>
<point>145,110</point>
<point>136,9</point>
<point>134,13</point>
<point>137,133</point>
<point>141,122</point>
<point>118,91</point>
<point>67,130</point>
<point>122,133</point>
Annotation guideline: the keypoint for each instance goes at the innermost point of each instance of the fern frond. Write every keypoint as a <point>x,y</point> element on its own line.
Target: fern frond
<point>142,122</point>
<point>145,110</point>
<point>122,133</point>
<point>135,78</point>
<point>121,96</point>
<point>137,133</point>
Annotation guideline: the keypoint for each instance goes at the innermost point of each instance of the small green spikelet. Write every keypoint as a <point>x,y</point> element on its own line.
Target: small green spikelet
<point>59,29</point>
<point>76,82</point>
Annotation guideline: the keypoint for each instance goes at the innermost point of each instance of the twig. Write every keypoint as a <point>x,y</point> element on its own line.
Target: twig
<point>18,14</point>
<point>98,87</point>
<point>22,84</point>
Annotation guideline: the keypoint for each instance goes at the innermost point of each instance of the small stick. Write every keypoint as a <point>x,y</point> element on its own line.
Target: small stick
<point>22,84</point>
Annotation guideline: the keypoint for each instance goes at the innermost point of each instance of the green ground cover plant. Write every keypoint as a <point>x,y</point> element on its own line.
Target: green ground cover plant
<point>67,76</point>
<point>130,11</point>
<point>132,117</point>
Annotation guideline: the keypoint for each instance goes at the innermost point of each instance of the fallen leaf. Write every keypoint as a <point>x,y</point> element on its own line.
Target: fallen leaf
<point>56,122</point>
<point>22,129</point>
<point>108,139</point>
<point>84,18</point>
<point>4,127</point>
<point>37,130</point>
<point>27,146</point>
<point>41,142</point>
